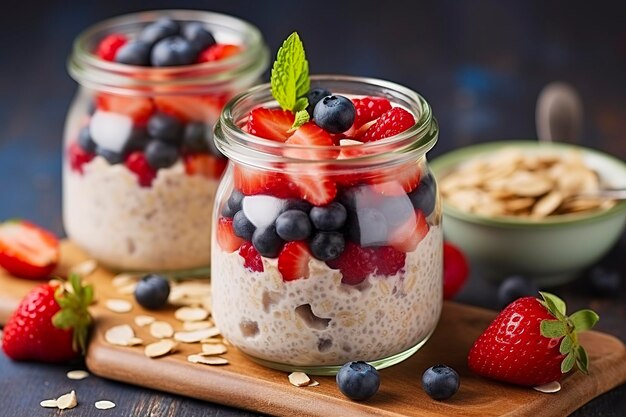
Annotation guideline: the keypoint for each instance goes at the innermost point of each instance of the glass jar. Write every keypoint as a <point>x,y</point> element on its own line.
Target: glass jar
<point>381,298</point>
<point>126,213</point>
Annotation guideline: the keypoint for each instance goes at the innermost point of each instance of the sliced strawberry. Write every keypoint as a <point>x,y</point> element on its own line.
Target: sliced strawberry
<point>391,123</point>
<point>389,261</point>
<point>205,165</point>
<point>455,270</point>
<point>316,189</point>
<point>367,109</point>
<point>251,258</point>
<point>108,47</point>
<point>355,263</point>
<point>77,157</point>
<point>311,135</point>
<point>137,163</point>
<point>407,236</point>
<point>271,124</point>
<point>218,51</point>
<point>205,108</point>
<point>27,251</point>
<point>293,261</point>
<point>398,180</point>
<point>252,181</point>
<point>226,238</point>
<point>137,108</point>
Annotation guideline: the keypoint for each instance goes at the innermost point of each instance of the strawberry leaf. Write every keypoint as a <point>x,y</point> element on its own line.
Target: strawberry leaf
<point>553,328</point>
<point>554,304</point>
<point>584,320</point>
<point>568,363</point>
<point>582,360</point>
<point>566,345</point>
<point>74,314</point>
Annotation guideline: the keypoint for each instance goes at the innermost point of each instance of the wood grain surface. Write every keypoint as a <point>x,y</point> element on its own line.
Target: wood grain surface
<point>247,385</point>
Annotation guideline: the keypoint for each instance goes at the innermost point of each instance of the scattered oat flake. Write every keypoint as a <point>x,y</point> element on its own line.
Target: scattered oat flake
<point>142,320</point>
<point>84,268</point>
<point>191,314</point>
<point>217,349</point>
<point>118,306</point>
<point>48,403</point>
<point>77,374</point>
<point>120,335</point>
<point>299,379</point>
<point>197,335</point>
<point>549,388</point>
<point>197,325</point>
<point>67,401</point>
<point>210,360</point>
<point>161,348</point>
<point>161,330</point>
<point>104,404</point>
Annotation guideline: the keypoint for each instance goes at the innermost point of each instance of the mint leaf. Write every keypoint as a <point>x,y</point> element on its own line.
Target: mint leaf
<point>568,363</point>
<point>553,328</point>
<point>566,345</point>
<point>584,320</point>
<point>290,75</point>
<point>302,117</point>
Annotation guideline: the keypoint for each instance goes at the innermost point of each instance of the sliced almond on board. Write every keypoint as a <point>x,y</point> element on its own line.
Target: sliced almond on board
<point>197,335</point>
<point>143,320</point>
<point>104,405</point>
<point>213,340</point>
<point>84,268</point>
<point>118,306</point>
<point>66,401</point>
<point>549,388</point>
<point>48,403</point>
<point>160,348</point>
<point>191,314</point>
<point>123,279</point>
<point>120,335</point>
<point>161,330</point>
<point>207,360</point>
<point>313,383</point>
<point>134,341</point>
<point>77,374</point>
<point>127,289</point>
<point>190,326</point>
<point>299,379</point>
<point>218,349</point>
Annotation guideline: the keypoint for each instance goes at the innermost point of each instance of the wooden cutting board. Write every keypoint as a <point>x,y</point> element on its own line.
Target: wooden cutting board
<point>244,384</point>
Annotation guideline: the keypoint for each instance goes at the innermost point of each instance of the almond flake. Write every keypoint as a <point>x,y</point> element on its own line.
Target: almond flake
<point>77,374</point>
<point>118,306</point>
<point>134,341</point>
<point>299,379</point>
<point>213,340</point>
<point>104,405</point>
<point>142,320</point>
<point>161,330</point>
<point>84,268</point>
<point>191,314</point>
<point>313,383</point>
<point>48,403</point>
<point>209,350</point>
<point>156,349</point>
<point>67,401</point>
<point>190,326</point>
<point>120,335</point>
<point>211,360</point>
<point>549,388</point>
<point>127,289</point>
<point>197,335</point>
<point>123,279</point>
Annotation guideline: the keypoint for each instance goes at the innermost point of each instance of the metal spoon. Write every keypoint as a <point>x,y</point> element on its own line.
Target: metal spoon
<point>559,114</point>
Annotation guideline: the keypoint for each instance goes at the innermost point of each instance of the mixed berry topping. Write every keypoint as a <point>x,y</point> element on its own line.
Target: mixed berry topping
<point>145,133</point>
<point>360,223</point>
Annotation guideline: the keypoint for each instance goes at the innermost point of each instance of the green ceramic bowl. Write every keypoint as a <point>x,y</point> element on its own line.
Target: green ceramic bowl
<point>551,251</point>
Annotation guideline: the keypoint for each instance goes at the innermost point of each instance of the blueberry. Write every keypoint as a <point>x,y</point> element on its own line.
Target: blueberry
<point>354,198</point>
<point>367,227</point>
<point>85,141</point>
<point>233,204</point>
<point>515,287</point>
<point>267,242</point>
<point>160,29</point>
<point>358,380</point>
<point>396,210</point>
<point>165,127</point>
<point>297,204</point>
<point>293,225</point>
<point>111,157</point>
<point>314,96</point>
<point>424,196</point>
<point>334,114</point>
<point>242,226</point>
<point>198,137</point>
<point>604,281</point>
<point>152,291</point>
<point>327,246</point>
<point>160,154</point>
<point>137,141</point>
<point>199,37</point>
<point>134,53</point>
<point>329,217</point>
<point>173,51</point>
<point>441,382</point>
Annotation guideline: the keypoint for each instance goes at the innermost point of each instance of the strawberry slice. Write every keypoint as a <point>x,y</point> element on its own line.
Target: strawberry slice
<point>137,108</point>
<point>311,135</point>
<point>226,238</point>
<point>407,236</point>
<point>293,261</point>
<point>271,124</point>
<point>398,180</point>
<point>391,123</point>
<point>251,258</point>
<point>192,108</point>
<point>137,163</point>
<point>205,165</point>
<point>218,51</point>
<point>108,47</point>
<point>77,157</point>
<point>368,109</point>
<point>27,251</point>
<point>252,181</point>
<point>316,189</point>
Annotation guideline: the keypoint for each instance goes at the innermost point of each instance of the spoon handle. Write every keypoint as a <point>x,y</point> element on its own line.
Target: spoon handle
<point>559,114</point>
<point>608,193</point>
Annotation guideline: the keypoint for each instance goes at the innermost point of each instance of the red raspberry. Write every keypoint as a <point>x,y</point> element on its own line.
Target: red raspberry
<point>368,109</point>
<point>77,157</point>
<point>395,121</point>
<point>136,162</point>
<point>389,260</point>
<point>251,258</point>
<point>108,47</point>
<point>355,263</point>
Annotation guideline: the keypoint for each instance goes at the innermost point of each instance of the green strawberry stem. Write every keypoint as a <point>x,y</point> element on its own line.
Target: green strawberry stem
<point>74,312</point>
<point>568,328</point>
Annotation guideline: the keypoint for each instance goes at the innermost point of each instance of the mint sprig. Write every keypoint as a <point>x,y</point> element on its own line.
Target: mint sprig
<point>568,328</point>
<point>290,79</point>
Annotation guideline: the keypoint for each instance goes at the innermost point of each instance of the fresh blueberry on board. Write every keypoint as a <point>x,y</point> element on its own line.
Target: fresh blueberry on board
<point>358,380</point>
<point>134,53</point>
<point>152,292</point>
<point>314,96</point>
<point>242,226</point>
<point>293,225</point>
<point>604,281</point>
<point>85,141</point>
<point>160,154</point>
<point>330,217</point>
<point>173,51</point>
<point>327,246</point>
<point>367,227</point>
<point>165,127</point>
<point>424,197</point>
<point>334,114</point>
<point>111,157</point>
<point>441,382</point>
<point>160,29</point>
<point>198,36</point>
<point>267,242</point>
<point>515,287</point>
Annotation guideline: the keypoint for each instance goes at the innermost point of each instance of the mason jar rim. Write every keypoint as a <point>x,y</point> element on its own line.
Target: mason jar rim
<point>253,150</point>
<point>91,71</point>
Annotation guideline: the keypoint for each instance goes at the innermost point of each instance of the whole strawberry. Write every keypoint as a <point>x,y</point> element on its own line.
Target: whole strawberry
<point>532,342</point>
<point>51,324</point>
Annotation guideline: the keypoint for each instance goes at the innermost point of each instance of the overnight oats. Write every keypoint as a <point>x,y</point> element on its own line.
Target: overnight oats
<point>327,226</point>
<point>140,165</point>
